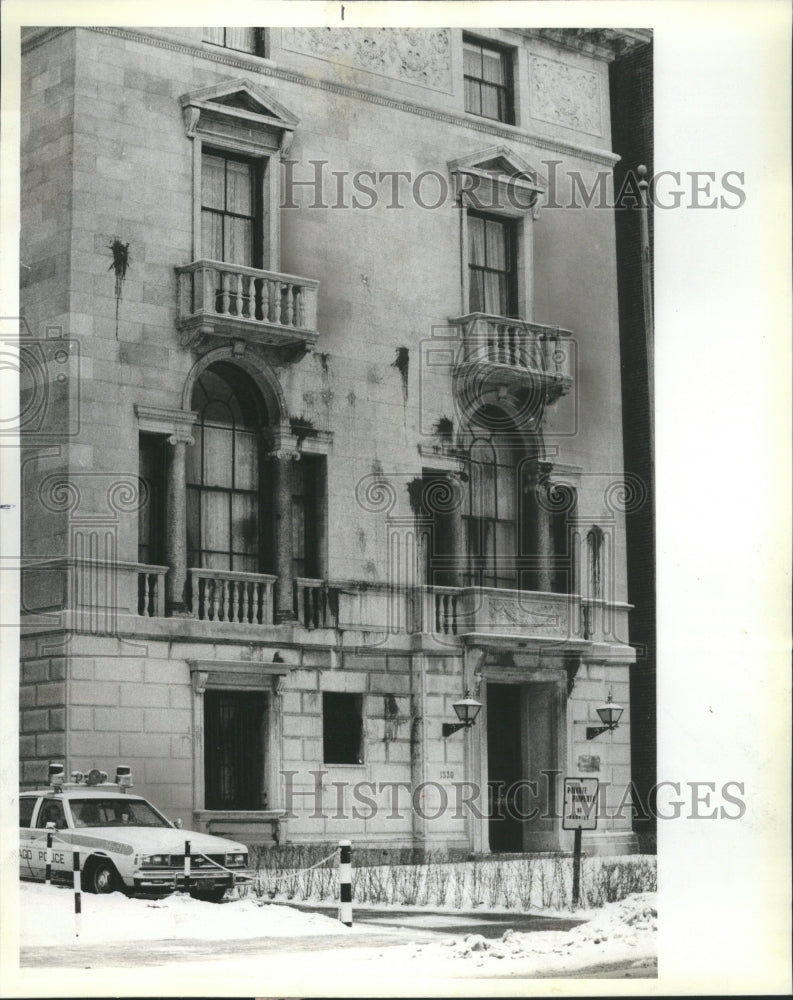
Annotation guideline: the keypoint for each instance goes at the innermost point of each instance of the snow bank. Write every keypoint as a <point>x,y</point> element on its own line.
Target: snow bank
<point>621,932</point>
<point>47,918</point>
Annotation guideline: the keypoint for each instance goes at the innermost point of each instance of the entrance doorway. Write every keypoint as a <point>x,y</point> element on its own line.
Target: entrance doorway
<point>505,765</point>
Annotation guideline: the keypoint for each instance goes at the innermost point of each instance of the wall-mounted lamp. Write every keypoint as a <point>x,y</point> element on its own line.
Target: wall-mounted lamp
<point>466,709</point>
<point>609,715</point>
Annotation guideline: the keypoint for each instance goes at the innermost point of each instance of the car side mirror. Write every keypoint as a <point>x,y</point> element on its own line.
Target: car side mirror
<point>178,824</point>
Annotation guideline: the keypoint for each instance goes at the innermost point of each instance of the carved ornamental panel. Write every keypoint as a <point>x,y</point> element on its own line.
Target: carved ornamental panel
<point>565,95</point>
<point>416,55</point>
<point>535,617</point>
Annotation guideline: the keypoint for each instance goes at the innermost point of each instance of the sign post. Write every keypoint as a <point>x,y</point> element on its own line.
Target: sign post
<point>580,813</point>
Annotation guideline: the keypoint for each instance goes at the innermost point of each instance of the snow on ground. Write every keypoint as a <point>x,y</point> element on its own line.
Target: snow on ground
<point>47,918</point>
<point>622,932</point>
<point>625,931</point>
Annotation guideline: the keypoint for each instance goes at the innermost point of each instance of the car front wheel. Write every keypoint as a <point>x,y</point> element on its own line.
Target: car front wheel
<point>101,877</point>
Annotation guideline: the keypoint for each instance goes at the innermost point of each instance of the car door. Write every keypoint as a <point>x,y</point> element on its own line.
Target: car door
<point>50,812</point>
<point>27,807</point>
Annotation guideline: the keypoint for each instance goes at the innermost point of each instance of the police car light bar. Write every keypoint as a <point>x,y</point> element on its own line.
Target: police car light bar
<point>77,777</point>
<point>56,774</point>
<point>124,776</point>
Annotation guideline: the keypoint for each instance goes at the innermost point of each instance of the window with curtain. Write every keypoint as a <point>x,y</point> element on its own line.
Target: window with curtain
<point>487,77</point>
<point>242,39</point>
<point>224,515</point>
<point>491,519</point>
<point>492,265</point>
<point>230,211</point>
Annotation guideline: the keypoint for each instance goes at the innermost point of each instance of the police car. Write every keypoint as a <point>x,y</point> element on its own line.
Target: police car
<point>124,842</point>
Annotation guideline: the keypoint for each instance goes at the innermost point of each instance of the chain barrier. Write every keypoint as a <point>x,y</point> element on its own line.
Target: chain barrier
<point>343,851</point>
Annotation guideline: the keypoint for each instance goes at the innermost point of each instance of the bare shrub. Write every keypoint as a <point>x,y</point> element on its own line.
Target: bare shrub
<point>524,883</point>
<point>411,879</point>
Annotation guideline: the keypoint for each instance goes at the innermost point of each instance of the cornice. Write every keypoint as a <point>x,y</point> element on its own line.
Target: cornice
<point>268,68</point>
<point>607,44</point>
<point>41,36</point>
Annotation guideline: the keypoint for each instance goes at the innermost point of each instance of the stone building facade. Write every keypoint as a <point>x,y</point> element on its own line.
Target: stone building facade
<point>323,428</point>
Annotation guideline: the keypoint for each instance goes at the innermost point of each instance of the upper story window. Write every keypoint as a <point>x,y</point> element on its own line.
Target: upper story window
<point>230,210</point>
<point>239,133</point>
<point>308,476</point>
<point>516,536</point>
<point>497,191</point>
<point>151,516</point>
<point>491,516</point>
<point>492,265</point>
<point>594,544</point>
<point>242,39</point>
<point>487,74</point>
<point>224,529</point>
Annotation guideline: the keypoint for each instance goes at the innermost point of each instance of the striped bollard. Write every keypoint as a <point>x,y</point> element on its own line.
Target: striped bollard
<point>187,866</point>
<point>345,882</point>
<point>48,860</point>
<point>77,896</point>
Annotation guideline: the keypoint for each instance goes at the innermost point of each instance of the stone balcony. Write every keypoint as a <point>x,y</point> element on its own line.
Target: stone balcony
<point>131,597</point>
<point>513,353</point>
<point>460,612</point>
<point>245,303</point>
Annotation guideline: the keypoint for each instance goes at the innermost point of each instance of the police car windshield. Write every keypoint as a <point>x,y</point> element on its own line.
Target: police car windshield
<point>114,812</point>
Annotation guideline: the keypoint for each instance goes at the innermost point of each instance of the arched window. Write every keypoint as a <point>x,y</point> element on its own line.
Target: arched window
<point>498,514</point>
<point>224,509</point>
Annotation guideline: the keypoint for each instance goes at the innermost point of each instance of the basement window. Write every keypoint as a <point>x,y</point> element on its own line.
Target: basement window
<point>342,728</point>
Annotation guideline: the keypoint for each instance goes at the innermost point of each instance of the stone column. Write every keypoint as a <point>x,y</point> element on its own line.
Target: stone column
<point>418,750</point>
<point>477,828</point>
<point>544,530</point>
<point>282,482</point>
<point>456,534</point>
<point>176,520</point>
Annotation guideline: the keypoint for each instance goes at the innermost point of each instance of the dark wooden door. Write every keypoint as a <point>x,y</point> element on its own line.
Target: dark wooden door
<point>505,768</point>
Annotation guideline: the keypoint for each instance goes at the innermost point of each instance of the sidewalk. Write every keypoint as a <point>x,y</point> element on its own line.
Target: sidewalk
<point>489,925</point>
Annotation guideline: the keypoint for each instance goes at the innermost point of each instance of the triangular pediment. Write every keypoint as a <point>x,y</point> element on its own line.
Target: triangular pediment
<point>241,98</point>
<point>502,163</point>
<point>498,165</point>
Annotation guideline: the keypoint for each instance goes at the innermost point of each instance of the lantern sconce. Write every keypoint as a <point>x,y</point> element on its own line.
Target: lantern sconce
<point>466,710</point>
<point>609,714</point>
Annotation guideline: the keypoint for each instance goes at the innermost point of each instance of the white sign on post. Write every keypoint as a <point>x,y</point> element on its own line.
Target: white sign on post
<point>580,804</point>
